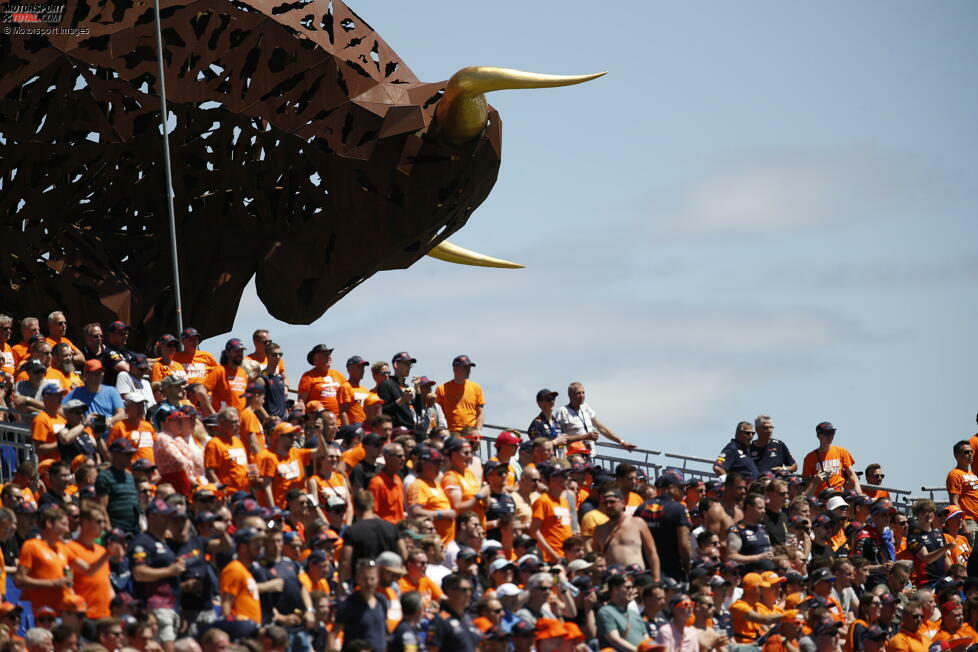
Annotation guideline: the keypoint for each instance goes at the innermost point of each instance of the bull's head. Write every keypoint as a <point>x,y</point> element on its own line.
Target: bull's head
<point>305,153</point>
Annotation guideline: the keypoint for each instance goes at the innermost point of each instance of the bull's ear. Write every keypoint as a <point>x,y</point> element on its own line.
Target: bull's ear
<point>461,256</point>
<point>462,111</point>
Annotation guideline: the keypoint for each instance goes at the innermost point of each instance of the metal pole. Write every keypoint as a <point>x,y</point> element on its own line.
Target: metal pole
<point>164,117</point>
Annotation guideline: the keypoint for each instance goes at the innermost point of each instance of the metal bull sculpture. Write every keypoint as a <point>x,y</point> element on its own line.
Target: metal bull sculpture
<point>305,152</point>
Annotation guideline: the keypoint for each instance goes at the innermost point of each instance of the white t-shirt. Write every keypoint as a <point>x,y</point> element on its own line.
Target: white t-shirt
<point>126,384</point>
<point>575,422</point>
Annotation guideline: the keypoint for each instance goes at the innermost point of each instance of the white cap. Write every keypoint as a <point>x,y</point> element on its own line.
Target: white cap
<point>500,564</point>
<point>489,543</point>
<point>579,565</point>
<point>507,590</point>
<point>835,502</point>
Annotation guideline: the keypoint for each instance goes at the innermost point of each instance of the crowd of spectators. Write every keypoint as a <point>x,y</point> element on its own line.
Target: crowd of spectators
<point>178,502</point>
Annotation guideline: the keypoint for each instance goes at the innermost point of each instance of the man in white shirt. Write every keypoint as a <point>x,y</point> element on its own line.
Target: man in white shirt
<point>578,421</point>
<point>136,380</point>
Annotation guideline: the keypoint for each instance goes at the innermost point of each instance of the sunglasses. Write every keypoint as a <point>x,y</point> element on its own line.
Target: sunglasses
<point>685,604</point>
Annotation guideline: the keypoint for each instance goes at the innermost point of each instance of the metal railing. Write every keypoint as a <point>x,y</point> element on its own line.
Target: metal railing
<point>16,446</point>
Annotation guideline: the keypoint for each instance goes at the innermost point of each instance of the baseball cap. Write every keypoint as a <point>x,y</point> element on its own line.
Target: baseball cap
<point>822,575</point>
<point>952,511</point>
<point>137,359</point>
<point>546,394</point>
<point>180,413</point>
<point>827,628</point>
<point>508,590</point>
<point>73,404</point>
<point>373,439</point>
<point>142,464</point>
<point>205,517</point>
<point>170,340</point>
<point>550,470</point>
<point>424,381</point>
<point>430,454</point>
<point>392,562</point>
<point>319,348</point>
<point>246,535</point>
<point>8,607</point>
<point>462,361</point>
<point>234,344</point>
<point>772,578</point>
<point>528,561</point>
<point>947,582</point>
<point>158,506</point>
<point>500,564</point>
<point>33,366</point>
<point>669,479</point>
<point>550,628</point>
<point>754,581</point>
<point>495,633</point>
<point>173,380</point>
<point>285,428</point>
<point>579,565</point>
<point>73,603</point>
<point>835,502</point>
<point>53,389</point>
<point>403,356</point>
<point>520,628</point>
<point>824,426</point>
<point>93,365</point>
<point>467,553</point>
<point>122,445</point>
<point>356,360</point>
<point>508,437</point>
<point>795,576</point>
<point>492,465</point>
<point>254,388</point>
<point>823,520</point>
<point>248,507</point>
<point>117,326</point>
<point>187,333</point>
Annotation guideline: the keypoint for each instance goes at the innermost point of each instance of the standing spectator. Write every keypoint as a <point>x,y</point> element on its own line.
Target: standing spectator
<point>426,498</point>
<point>261,339</point>
<point>321,383</point>
<point>283,467</point>
<point>453,628</point>
<point>828,465</point>
<point>367,468</point>
<point>273,382</point>
<point>775,514</point>
<point>579,422</point>
<point>926,543</point>
<point>387,487</point>
<point>430,416</point>
<point>167,346</point>
<point>116,487</point>
<point>115,355</point>
<point>618,626</point>
<point>551,524</point>
<point>465,490</point>
<point>96,589</point>
<point>240,593</point>
<point>352,393</point>
<point>668,520</point>
<point>544,424</point>
<point>225,457</point>
<point>770,454</point>
<point>136,429</point>
<point>47,424</point>
<point>103,400</point>
<point>736,455</point>
<point>394,390</point>
<point>250,430</point>
<point>135,382</point>
<point>156,569</point>
<point>57,334</point>
<point>179,458</point>
<point>747,541</point>
<point>196,363</point>
<point>29,327</point>
<point>874,476</point>
<point>461,399</point>
<point>363,615</point>
<point>407,635</point>
<point>173,389</point>
<point>507,444</point>
<point>7,364</point>
<point>227,381</point>
<point>962,485</point>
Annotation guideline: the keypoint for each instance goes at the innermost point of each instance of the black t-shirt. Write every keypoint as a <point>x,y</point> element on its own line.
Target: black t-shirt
<point>289,599</point>
<point>84,444</point>
<point>406,637</point>
<point>362,473</point>
<point>771,456</point>
<point>110,357</point>
<point>919,540</point>
<point>450,631</point>
<point>735,457</point>
<point>776,524</point>
<point>147,550</point>
<point>664,516</point>
<point>360,620</point>
<point>370,537</point>
<point>275,395</point>
<point>193,553</point>
<point>402,415</point>
<point>500,504</point>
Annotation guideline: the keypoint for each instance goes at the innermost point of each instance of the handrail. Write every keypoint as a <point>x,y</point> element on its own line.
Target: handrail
<point>890,489</point>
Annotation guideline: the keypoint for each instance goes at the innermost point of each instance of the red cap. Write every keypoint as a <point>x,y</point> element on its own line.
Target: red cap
<point>550,628</point>
<point>508,437</point>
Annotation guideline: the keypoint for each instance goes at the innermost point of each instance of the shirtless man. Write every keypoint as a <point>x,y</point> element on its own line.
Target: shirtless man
<point>624,539</point>
<point>722,515</point>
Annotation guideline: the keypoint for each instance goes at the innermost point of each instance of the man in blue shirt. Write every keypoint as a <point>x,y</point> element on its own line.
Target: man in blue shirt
<point>363,615</point>
<point>735,456</point>
<point>100,399</point>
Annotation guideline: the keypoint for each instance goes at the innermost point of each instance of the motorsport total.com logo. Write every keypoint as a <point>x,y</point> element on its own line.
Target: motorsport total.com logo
<point>35,17</point>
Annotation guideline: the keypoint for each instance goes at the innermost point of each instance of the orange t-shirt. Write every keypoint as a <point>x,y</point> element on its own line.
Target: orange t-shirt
<point>50,374</point>
<point>555,522</point>
<point>249,424</point>
<point>353,456</point>
<point>906,641</point>
<point>314,386</point>
<point>20,353</point>
<point>964,631</point>
<point>229,461</point>
<point>44,430</point>
<point>460,403</point>
<point>429,496</point>
<point>7,359</point>
<point>959,549</point>
<point>388,493</point>
<point>835,462</point>
<point>236,581</point>
<point>965,486</point>
<point>142,436</point>
<point>44,562</point>
<point>96,588</point>
<point>744,631</point>
<point>469,484</point>
<point>425,586</point>
<point>262,360</point>
<point>335,485</point>
<point>634,500</point>
<point>351,399</point>
<point>510,473</point>
<point>227,389</point>
<point>161,371</point>
<point>64,340</point>
<point>196,364</point>
<point>322,584</point>
<point>285,472</point>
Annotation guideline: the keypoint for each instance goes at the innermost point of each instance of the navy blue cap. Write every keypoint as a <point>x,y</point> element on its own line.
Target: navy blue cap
<point>187,333</point>
<point>462,361</point>
<point>356,360</point>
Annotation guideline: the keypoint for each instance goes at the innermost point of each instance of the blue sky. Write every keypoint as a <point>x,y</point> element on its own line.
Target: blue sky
<point>763,207</point>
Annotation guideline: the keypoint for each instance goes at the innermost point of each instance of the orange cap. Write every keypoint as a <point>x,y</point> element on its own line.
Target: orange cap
<point>314,406</point>
<point>572,632</point>
<point>649,644</point>
<point>794,600</point>
<point>77,461</point>
<point>73,602</point>
<point>550,628</point>
<point>772,578</point>
<point>285,428</point>
<point>753,581</point>
<point>43,467</point>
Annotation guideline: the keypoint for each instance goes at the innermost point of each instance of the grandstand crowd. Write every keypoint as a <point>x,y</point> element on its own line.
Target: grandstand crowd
<point>178,502</point>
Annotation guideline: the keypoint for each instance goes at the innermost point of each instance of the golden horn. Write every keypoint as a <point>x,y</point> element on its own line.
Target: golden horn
<point>462,112</point>
<point>459,255</point>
